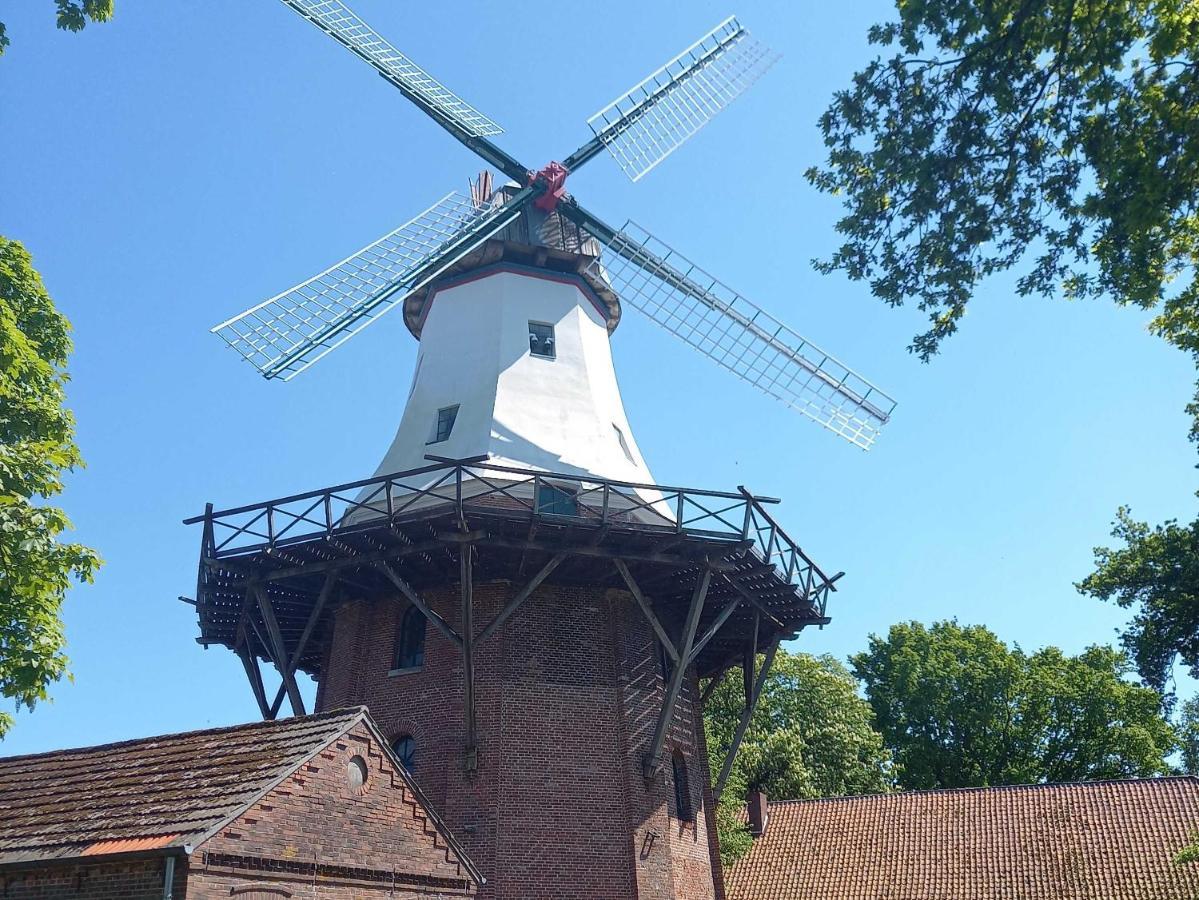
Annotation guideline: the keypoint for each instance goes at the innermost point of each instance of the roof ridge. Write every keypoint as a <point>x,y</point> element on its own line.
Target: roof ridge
<point>1155,779</point>
<point>347,712</point>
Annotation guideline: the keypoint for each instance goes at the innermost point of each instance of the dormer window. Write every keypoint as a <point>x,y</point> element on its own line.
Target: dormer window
<point>444,424</point>
<point>556,501</point>
<point>541,340</point>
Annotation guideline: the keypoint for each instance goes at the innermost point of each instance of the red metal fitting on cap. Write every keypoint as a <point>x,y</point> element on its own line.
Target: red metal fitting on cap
<point>554,176</point>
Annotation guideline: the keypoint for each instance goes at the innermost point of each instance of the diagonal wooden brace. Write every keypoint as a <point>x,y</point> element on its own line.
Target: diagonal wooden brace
<point>649,765</point>
<point>751,703</point>
<point>646,610</point>
<point>714,683</point>
<point>716,625</point>
<point>521,596</point>
<point>278,650</point>
<point>414,598</point>
<point>297,654</point>
<point>249,661</point>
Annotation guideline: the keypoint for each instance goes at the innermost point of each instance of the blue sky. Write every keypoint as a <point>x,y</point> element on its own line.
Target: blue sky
<point>187,160</point>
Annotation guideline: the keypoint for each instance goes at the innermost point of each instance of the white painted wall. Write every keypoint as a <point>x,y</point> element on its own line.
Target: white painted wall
<point>549,415</point>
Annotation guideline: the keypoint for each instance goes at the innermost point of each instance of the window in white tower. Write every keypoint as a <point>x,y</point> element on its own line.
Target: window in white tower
<point>541,340</point>
<point>444,424</point>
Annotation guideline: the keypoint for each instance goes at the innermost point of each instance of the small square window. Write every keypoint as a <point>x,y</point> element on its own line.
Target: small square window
<point>541,340</point>
<point>556,501</point>
<point>444,424</point>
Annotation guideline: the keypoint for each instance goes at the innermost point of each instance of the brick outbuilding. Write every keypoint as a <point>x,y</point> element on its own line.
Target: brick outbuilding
<point>315,806</point>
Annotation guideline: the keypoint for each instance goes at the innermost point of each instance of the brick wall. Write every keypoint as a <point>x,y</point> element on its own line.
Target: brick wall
<point>315,828</point>
<point>567,695</point>
<point>93,881</point>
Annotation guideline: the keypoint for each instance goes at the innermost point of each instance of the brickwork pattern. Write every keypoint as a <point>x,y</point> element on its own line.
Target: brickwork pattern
<point>130,880</point>
<point>567,695</point>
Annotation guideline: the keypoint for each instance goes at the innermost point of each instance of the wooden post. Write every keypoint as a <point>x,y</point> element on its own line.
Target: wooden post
<point>649,765</point>
<point>466,575</point>
<point>279,651</point>
<point>746,714</point>
<point>250,662</point>
<point>294,662</point>
<point>751,653</point>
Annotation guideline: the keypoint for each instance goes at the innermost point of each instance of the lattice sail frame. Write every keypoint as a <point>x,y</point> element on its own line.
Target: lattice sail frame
<point>741,337</point>
<point>347,28</point>
<point>655,118</point>
<point>286,334</point>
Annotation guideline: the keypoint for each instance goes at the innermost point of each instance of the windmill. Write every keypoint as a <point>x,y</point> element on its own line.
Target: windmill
<point>286,334</point>
<point>560,739</point>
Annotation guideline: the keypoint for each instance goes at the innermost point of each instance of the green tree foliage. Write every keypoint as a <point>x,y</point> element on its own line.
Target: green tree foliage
<point>1188,737</point>
<point>1056,137</point>
<point>959,708</point>
<point>1155,573</point>
<point>72,15</point>
<point>36,447</point>
<point>810,736</point>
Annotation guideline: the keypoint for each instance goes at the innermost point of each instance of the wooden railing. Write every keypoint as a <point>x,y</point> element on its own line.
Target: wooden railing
<point>467,487</point>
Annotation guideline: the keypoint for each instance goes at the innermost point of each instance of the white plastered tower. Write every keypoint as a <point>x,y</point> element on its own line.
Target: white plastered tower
<point>486,367</point>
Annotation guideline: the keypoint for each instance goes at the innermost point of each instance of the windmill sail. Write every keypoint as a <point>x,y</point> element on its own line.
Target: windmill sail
<point>347,28</point>
<point>286,334</point>
<point>643,127</point>
<point>737,334</point>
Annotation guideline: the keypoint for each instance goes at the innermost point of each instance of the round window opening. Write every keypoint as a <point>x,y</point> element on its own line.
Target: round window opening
<point>356,773</point>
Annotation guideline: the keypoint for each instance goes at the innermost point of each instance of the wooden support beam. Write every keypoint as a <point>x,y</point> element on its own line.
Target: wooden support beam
<point>585,549</point>
<point>279,650</point>
<point>746,714</point>
<point>754,601</point>
<point>294,663</point>
<point>646,610</point>
<point>250,662</point>
<point>521,596</point>
<point>713,628</point>
<point>649,765</point>
<point>713,684</point>
<point>317,567</point>
<point>466,577</point>
<point>438,622</point>
<point>751,653</point>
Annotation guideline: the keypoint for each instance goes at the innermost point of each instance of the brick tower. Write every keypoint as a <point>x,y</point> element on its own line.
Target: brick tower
<point>525,611</point>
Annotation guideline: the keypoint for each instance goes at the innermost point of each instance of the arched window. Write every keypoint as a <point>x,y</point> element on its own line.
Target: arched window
<point>410,641</point>
<point>405,750</point>
<point>682,788</point>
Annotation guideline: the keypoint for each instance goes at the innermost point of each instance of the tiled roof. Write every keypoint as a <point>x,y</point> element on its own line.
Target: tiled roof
<point>149,793</point>
<point>1111,840</point>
